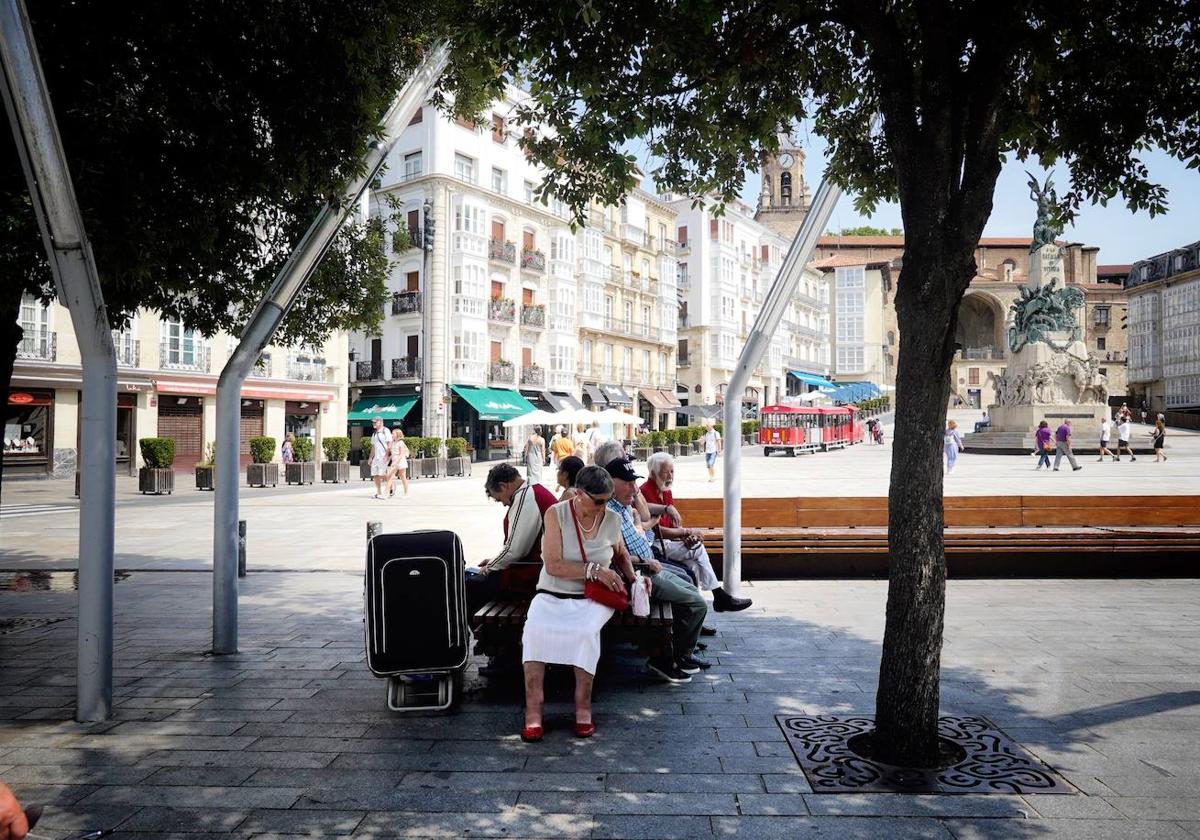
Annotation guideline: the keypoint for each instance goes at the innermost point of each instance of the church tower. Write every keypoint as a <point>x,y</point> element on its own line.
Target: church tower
<point>784,199</point>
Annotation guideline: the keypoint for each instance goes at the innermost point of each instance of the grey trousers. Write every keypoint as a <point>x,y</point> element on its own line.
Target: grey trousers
<point>687,606</point>
<point>1061,449</point>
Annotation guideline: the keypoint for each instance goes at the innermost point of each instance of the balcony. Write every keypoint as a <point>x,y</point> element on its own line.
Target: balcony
<point>502,252</point>
<point>616,275</point>
<point>129,350</point>
<point>683,362</point>
<point>468,372</point>
<point>408,367</point>
<point>561,380</point>
<point>369,371</point>
<point>262,366</point>
<point>415,240</point>
<point>633,234</point>
<point>502,310</point>
<point>307,370</point>
<point>38,344</point>
<point>406,303</point>
<point>502,372</point>
<point>534,316</point>
<point>532,260</point>
<point>981,354</point>
<point>533,375</point>
<point>183,358</point>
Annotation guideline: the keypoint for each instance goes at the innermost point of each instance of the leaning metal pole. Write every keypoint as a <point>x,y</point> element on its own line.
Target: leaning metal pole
<point>288,285</point>
<point>40,147</point>
<point>778,298</point>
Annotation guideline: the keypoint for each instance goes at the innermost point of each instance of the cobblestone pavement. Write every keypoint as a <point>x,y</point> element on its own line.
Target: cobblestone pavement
<point>291,737</point>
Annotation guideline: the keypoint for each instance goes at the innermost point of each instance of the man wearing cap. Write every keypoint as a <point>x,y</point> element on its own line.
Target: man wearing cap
<point>381,449</point>
<point>687,604</point>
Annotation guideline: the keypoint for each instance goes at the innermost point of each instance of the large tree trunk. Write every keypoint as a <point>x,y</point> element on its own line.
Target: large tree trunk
<point>930,287</point>
<point>10,339</point>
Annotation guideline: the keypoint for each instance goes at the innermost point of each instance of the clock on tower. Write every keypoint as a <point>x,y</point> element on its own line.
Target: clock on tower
<point>784,199</point>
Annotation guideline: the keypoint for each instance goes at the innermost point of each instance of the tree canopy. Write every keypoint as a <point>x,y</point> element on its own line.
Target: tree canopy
<point>202,139</point>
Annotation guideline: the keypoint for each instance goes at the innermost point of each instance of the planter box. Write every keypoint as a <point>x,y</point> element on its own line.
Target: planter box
<point>364,469</point>
<point>641,453</point>
<point>156,481</point>
<point>432,467</point>
<point>458,466</point>
<point>659,447</point>
<point>300,472</point>
<point>260,475</point>
<point>678,449</point>
<point>204,478</point>
<point>337,471</point>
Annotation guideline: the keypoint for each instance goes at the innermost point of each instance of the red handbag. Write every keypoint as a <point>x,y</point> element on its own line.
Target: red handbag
<point>594,590</point>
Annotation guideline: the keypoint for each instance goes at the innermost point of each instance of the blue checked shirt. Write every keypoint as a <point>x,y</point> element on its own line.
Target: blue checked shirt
<point>635,541</point>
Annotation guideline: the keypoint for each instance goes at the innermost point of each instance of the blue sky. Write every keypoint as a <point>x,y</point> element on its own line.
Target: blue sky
<point>1123,237</point>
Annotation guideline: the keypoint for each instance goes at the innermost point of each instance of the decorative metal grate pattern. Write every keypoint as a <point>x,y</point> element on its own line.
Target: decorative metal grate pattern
<point>988,761</point>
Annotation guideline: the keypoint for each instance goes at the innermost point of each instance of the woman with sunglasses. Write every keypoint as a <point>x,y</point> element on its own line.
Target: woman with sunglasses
<point>582,542</point>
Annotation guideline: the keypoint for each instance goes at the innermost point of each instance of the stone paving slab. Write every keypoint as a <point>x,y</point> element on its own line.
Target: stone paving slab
<point>291,738</point>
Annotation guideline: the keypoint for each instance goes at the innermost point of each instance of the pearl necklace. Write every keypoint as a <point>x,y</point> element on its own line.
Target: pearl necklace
<point>591,532</point>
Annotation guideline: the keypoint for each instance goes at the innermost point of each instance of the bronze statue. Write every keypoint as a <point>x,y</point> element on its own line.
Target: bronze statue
<point>1044,229</point>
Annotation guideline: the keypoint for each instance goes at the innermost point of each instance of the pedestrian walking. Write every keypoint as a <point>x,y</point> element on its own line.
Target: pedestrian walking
<point>1160,437</point>
<point>397,462</point>
<point>1105,436</point>
<point>381,453</point>
<point>1124,431</point>
<point>287,452</point>
<point>952,444</point>
<point>1043,437</point>
<point>1062,446</point>
<point>581,444</point>
<point>712,448</point>
<point>535,456</point>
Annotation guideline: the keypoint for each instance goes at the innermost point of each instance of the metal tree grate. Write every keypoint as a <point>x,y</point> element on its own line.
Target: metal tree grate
<point>988,761</point>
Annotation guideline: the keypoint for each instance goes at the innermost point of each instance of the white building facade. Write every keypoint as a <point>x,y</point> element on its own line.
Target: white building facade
<point>1164,330</point>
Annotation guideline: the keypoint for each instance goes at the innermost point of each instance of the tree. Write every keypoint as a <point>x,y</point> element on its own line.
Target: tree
<point>202,139</point>
<point>960,86</point>
<point>867,230</point>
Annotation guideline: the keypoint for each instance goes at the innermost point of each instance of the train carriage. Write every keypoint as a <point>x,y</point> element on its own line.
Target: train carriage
<point>795,429</point>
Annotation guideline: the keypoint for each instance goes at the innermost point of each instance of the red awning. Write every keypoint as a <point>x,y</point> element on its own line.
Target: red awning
<point>253,390</point>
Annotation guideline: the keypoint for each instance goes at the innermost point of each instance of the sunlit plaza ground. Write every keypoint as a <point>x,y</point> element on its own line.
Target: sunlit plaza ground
<point>291,737</point>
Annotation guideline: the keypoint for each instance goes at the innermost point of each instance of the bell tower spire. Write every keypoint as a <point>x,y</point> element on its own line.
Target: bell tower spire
<point>784,197</point>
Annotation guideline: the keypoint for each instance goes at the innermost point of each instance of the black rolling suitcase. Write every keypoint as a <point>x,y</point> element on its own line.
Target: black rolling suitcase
<point>416,618</point>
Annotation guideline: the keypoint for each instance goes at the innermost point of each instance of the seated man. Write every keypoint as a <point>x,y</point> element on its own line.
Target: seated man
<point>687,604</point>
<point>985,423</point>
<point>683,546</point>
<point>527,505</point>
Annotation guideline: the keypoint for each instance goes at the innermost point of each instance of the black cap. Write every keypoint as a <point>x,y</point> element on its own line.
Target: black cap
<point>619,468</point>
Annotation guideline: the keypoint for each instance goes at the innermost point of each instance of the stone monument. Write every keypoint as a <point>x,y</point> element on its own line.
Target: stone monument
<point>1050,374</point>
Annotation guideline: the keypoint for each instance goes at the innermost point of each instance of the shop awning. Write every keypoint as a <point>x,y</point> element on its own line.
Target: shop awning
<point>563,402</point>
<point>494,403</point>
<point>813,379</point>
<point>661,400</point>
<point>594,393</point>
<point>539,398</point>
<point>385,408</point>
<point>616,395</point>
<point>700,411</point>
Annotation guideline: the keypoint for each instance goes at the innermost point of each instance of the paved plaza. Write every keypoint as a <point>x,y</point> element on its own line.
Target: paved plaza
<point>291,737</point>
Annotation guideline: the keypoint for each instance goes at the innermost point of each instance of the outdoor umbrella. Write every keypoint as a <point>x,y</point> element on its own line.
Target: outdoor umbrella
<point>537,417</point>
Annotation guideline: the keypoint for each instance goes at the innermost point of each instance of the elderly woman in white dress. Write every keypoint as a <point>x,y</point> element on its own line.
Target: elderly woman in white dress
<point>582,542</point>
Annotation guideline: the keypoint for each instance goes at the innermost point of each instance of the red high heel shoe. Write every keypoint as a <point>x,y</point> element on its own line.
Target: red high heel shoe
<point>532,734</point>
<point>584,730</point>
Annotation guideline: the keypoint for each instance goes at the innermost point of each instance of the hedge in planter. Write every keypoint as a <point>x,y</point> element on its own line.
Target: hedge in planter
<point>157,477</point>
<point>262,472</point>
<point>206,469</point>
<point>302,470</point>
<point>458,462</point>
<point>335,467</point>
<point>364,463</point>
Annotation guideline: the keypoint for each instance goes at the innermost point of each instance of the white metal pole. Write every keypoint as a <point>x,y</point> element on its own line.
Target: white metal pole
<point>40,147</point>
<point>262,325</point>
<point>775,305</point>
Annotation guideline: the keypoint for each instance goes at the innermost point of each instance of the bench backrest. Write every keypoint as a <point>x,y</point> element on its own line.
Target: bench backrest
<point>1011,511</point>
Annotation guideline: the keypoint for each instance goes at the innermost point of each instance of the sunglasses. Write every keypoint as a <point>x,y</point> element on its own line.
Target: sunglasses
<point>602,500</point>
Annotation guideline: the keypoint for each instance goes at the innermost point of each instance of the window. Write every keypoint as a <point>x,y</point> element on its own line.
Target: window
<point>1101,315</point>
<point>645,269</point>
<point>608,307</point>
<point>469,218</point>
<point>180,346</point>
<point>726,306</point>
<point>468,346</point>
<point>628,310</point>
<point>586,361</point>
<point>412,165</point>
<point>417,117</point>
<point>683,235</point>
<point>850,359</point>
<point>499,180</point>
<point>973,376</point>
<point>464,168</point>
<point>1100,343</point>
<point>468,280</point>
<point>1008,266</point>
<point>465,122</point>
<point>627,362</point>
<point>529,188</point>
<point>499,133</point>
<point>608,357</point>
<point>645,320</point>
<point>662,364</point>
<point>714,226</point>
<point>646,363</point>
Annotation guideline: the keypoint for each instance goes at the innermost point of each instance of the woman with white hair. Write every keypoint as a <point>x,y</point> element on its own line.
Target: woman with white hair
<point>682,546</point>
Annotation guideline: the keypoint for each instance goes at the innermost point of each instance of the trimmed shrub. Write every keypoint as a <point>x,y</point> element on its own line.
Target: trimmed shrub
<point>658,438</point>
<point>303,447</point>
<point>210,455</point>
<point>262,449</point>
<point>456,447</point>
<point>157,452</point>
<point>365,446</point>
<point>337,448</point>
<point>644,440</point>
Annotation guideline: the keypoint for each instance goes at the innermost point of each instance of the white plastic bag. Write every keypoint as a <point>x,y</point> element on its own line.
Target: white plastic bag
<point>641,596</point>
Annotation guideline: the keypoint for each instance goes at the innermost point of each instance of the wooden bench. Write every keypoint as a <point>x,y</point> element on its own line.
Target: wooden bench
<point>498,626</point>
<point>798,537</point>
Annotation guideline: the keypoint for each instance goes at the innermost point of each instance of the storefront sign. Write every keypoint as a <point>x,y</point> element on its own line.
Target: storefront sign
<point>20,398</point>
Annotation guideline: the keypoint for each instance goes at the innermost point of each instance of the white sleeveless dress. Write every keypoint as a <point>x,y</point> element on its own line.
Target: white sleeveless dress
<point>566,631</point>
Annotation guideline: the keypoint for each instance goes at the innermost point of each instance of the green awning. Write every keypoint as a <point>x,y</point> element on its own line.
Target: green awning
<point>494,403</point>
<point>385,408</point>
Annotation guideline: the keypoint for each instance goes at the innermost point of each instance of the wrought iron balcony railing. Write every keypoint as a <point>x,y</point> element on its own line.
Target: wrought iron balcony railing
<point>181,357</point>
<point>501,372</point>
<point>38,344</point>
<point>502,309</point>
<point>533,376</point>
<point>533,315</point>
<point>408,367</point>
<point>504,252</point>
<point>532,260</point>
<point>369,371</point>
<point>406,303</point>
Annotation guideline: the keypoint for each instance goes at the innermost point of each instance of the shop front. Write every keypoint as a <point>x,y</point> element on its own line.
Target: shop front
<point>394,410</point>
<point>181,417</point>
<point>126,433</point>
<point>28,422</point>
<point>655,407</point>
<point>478,414</point>
<point>300,418</point>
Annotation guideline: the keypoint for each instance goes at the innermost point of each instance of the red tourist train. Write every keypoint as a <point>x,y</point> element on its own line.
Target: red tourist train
<point>792,429</point>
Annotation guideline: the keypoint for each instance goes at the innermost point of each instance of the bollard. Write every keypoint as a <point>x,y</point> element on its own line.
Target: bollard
<point>241,548</point>
<point>374,529</point>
